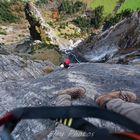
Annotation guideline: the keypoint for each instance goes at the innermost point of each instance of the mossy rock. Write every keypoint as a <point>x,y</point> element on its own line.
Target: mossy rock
<point>48,69</point>
<point>48,54</point>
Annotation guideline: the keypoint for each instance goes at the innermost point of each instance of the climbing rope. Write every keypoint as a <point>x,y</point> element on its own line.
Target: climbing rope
<point>70,53</point>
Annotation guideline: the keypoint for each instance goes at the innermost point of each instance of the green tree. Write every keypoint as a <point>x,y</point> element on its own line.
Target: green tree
<point>97,18</point>
<point>70,7</point>
<point>6,15</point>
<point>112,20</point>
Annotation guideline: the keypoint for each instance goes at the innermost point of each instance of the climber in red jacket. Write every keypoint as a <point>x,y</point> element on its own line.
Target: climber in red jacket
<point>66,63</point>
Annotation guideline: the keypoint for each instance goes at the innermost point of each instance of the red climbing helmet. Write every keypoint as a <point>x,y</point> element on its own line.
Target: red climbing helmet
<point>67,61</point>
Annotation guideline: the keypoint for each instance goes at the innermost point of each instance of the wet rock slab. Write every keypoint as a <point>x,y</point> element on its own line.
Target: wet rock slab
<point>120,44</point>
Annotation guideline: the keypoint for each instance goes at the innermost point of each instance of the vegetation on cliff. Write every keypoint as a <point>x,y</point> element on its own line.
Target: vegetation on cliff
<point>11,11</point>
<point>70,20</point>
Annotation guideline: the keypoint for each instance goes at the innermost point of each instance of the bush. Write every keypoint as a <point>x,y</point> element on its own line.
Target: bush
<point>112,20</point>
<point>41,2</point>
<point>6,14</point>
<point>77,6</point>
<point>95,20</point>
<point>126,13</point>
<point>68,7</point>
<point>65,7</point>
<point>2,33</point>
<point>82,22</point>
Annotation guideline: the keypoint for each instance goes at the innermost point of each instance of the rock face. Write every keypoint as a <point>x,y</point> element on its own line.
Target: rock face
<point>24,83</point>
<point>95,78</point>
<point>39,29</point>
<point>3,50</point>
<point>15,68</point>
<point>23,46</point>
<point>120,44</point>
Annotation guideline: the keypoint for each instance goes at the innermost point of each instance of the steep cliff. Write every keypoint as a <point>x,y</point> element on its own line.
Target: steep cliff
<point>25,83</point>
<point>120,44</point>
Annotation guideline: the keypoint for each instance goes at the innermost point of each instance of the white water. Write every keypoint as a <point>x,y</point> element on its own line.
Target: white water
<point>101,53</point>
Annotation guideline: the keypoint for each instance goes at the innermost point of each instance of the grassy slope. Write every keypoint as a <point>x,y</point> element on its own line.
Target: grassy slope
<point>108,5</point>
<point>131,4</point>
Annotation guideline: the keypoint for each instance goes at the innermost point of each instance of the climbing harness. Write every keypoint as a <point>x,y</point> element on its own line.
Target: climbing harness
<point>67,52</point>
<point>71,116</point>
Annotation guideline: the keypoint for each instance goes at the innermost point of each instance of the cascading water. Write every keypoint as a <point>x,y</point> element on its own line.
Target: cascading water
<point>119,44</point>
